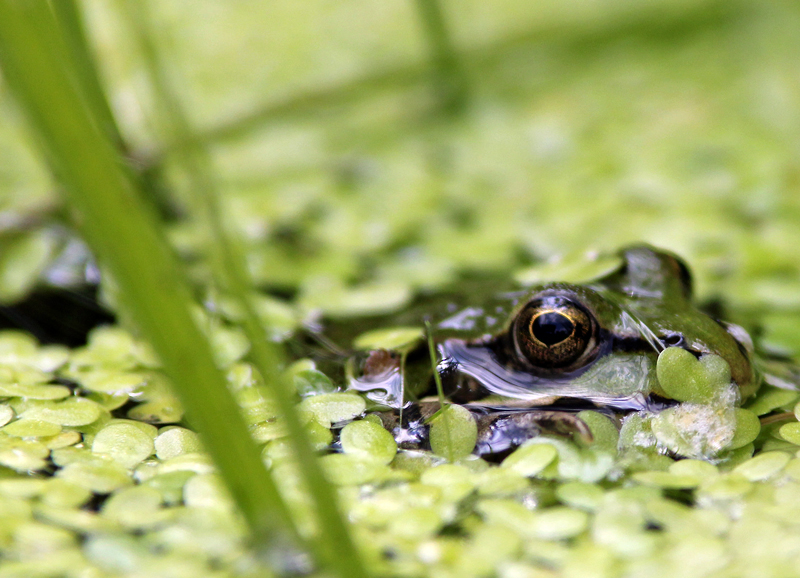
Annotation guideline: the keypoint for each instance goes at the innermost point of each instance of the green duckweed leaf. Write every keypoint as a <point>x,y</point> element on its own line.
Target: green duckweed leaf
<point>36,540</point>
<point>6,414</point>
<point>198,463</point>
<point>580,495</point>
<point>34,391</point>
<point>229,345</point>
<point>312,382</point>
<point>393,338</point>
<point>170,485</point>
<point>164,410</point>
<point>280,318</point>
<point>112,382</point>
<point>334,299</point>
<point>697,468</point>
<point>16,347</point>
<point>453,432</point>
<point>350,470</point>
<point>576,269</point>
<point>770,398</point>
<point>175,441</point>
<point>256,406</point>
<point>667,480</point>
<point>108,347</point>
<point>748,427</point>
<point>506,512</point>
<point>685,378</point>
<point>75,411</point>
<point>125,443</point>
<point>319,435</point>
<point>32,428</point>
<point>62,493</point>
<point>456,481</point>
<point>501,482</point>
<point>19,487</point>
<point>369,440</point>
<point>334,407</point>
<point>50,358</point>
<point>101,477</point>
<point>415,523</point>
<point>791,432</point>
<point>271,430</point>
<point>110,401</point>
<point>530,459</point>
<point>134,507</point>
<point>22,260</point>
<point>62,440</point>
<point>604,431</point>
<point>762,466</point>
<point>22,455</point>
<point>78,520</point>
<point>206,491</point>
<point>575,463</point>
<point>559,523</point>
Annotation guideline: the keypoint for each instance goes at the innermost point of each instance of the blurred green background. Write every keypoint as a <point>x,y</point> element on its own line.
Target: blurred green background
<point>342,158</point>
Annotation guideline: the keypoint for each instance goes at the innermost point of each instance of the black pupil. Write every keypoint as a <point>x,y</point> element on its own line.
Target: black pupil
<point>552,328</point>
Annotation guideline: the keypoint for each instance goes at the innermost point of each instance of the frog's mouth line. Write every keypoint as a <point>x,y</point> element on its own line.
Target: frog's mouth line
<point>621,385</point>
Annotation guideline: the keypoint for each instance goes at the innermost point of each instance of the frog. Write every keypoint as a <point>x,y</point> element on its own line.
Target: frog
<point>526,360</point>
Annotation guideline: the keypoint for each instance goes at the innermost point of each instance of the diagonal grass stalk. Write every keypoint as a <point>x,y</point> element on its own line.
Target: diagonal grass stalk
<point>73,31</point>
<point>333,543</point>
<point>443,405</point>
<point>449,78</point>
<point>124,236</point>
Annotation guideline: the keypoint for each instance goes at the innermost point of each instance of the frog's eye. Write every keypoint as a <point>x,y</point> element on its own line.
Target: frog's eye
<point>554,333</point>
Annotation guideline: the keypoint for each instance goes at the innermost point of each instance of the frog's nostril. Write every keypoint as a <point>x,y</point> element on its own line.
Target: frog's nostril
<point>673,340</point>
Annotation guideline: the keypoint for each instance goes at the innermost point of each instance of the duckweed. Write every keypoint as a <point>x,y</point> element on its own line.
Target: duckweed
<point>75,411</point>
<point>99,476</point>
<point>762,466</point>
<point>369,206</point>
<point>747,428</point>
<point>134,507</point>
<point>531,459</point>
<point>558,523</point>
<point>312,382</point>
<point>124,443</point>
<point>686,378</point>
<point>453,432</point>
<point>174,441</point>
<point>580,495</point>
<point>329,408</point>
<point>395,338</point>
<point>791,432</point>
<point>6,414</point>
<point>368,439</point>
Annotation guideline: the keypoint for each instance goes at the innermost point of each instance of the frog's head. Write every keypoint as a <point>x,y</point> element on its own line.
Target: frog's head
<point>600,341</point>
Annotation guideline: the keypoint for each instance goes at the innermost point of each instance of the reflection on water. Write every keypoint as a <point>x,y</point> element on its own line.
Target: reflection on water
<point>618,381</point>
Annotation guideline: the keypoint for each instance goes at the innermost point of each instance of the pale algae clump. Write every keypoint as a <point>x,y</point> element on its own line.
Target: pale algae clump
<point>706,423</point>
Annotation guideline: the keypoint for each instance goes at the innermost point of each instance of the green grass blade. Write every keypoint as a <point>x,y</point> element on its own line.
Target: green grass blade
<point>334,544</point>
<point>449,78</point>
<point>437,378</point>
<point>124,236</point>
<point>73,31</point>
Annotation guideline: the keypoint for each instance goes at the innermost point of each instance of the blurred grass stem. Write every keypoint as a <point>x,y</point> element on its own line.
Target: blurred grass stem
<point>449,77</point>
<point>123,234</point>
<point>333,543</point>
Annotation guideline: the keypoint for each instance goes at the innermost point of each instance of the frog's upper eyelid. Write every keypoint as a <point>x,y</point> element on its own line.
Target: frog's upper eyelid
<point>685,276</point>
